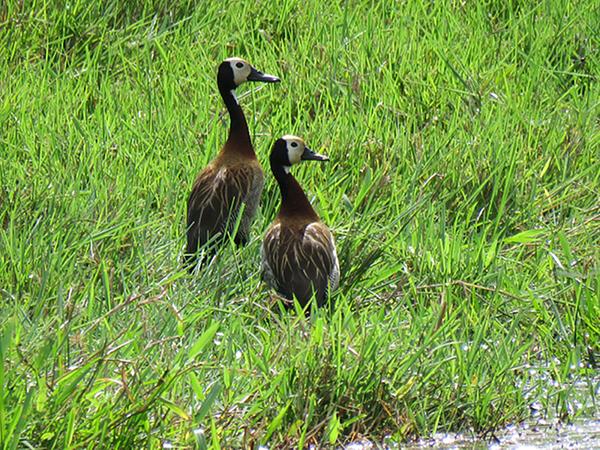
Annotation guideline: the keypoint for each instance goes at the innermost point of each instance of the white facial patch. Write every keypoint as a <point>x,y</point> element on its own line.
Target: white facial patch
<point>295,147</point>
<point>241,69</point>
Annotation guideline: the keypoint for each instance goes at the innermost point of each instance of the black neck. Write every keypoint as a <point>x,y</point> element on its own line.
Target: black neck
<point>238,129</point>
<point>293,198</point>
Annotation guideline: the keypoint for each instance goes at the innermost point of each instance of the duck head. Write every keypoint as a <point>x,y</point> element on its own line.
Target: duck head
<point>236,71</point>
<point>289,150</point>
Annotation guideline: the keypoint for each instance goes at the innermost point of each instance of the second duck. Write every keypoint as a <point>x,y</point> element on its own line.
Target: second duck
<point>298,252</point>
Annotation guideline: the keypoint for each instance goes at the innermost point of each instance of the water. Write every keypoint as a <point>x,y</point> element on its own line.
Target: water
<point>541,434</point>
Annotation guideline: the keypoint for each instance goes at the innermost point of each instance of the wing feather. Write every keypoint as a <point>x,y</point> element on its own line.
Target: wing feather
<point>301,261</point>
<point>216,200</point>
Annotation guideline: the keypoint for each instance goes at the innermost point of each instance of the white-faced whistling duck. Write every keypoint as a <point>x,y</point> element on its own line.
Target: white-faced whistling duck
<point>298,252</point>
<point>234,178</point>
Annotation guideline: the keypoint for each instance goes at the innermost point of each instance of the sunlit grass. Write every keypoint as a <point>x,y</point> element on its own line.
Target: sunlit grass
<point>462,191</point>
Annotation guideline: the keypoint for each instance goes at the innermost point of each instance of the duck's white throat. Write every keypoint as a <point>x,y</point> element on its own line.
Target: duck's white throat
<point>232,92</point>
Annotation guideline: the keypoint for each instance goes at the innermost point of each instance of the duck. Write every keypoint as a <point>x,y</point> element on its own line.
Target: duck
<point>233,181</point>
<point>298,254</point>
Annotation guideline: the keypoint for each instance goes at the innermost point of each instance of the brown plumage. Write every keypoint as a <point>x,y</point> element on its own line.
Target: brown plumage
<point>298,253</point>
<point>233,180</point>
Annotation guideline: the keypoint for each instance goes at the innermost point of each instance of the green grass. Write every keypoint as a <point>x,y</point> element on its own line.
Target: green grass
<point>462,190</point>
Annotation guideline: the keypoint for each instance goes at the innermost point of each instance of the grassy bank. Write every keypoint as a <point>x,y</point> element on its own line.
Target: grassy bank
<point>462,190</point>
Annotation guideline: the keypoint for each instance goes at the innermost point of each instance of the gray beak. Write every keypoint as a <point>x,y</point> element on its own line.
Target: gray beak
<point>309,155</point>
<point>257,75</point>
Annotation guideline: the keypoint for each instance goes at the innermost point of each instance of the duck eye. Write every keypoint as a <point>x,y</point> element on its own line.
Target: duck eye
<point>294,144</point>
<point>239,65</point>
